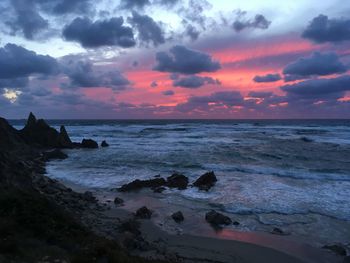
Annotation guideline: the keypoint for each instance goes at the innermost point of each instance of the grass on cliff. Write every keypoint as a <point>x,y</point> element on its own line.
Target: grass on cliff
<point>32,229</point>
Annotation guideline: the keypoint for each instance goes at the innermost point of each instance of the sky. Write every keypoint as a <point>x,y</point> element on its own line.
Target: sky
<point>175,59</point>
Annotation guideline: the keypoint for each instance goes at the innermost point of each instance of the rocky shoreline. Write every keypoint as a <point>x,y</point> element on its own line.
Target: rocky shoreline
<point>43,220</point>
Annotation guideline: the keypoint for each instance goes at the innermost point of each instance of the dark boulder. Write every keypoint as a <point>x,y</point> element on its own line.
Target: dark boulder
<point>217,219</point>
<point>337,249</point>
<point>54,155</point>
<point>305,139</point>
<point>278,231</point>
<point>63,138</point>
<point>139,184</point>
<point>89,144</point>
<point>118,201</point>
<point>178,181</point>
<point>159,189</point>
<point>144,213</point>
<point>104,144</point>
<point>178,217</point>
<point>88,196</point>
<point>206,181</point>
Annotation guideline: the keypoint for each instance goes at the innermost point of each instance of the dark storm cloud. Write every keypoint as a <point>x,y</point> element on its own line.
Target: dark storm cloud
<point>192,32</point>
<point>259,22</point>
<point>168,93</point>
<point>322,29</point>
<point>22,16</point>
<point>260,94</point>
<point>82,75</point>
<point>148,30</point>
<point>267,78</point>
<point>194,82</point>
<point>185,61</point>
<point>317,88</point>
<point>60,7</point>
<point>16,62</point>
<point>318,64</point>
<point>14,82</point>
<point>153,84</point>
<point>131,4</point>
<point>90,34</point>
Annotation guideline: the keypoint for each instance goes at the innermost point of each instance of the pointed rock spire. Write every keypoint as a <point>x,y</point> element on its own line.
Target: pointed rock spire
<point>31,121</point>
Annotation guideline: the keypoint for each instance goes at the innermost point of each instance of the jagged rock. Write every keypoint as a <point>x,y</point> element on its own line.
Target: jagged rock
<point>178,181</point>
<point>55,154</point>
<point>305,139</point>
<point>88,143</point>
<point>118,201</point>
<point>104,144</point>
<point>206,181</point>
<point>38,132</point>
<point>337,249</point>
<point>178,217</point>
<point>144,213</point>
<point>9,136</point>
<point>139,184</point>
<point>217,219</point>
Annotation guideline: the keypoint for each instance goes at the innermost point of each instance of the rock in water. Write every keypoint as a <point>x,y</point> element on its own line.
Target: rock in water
<point>104,144</point>
<point>178,181</point>
<point>63,138</point>
<point>54,155</point>
<point>89,144</point>
<point>144,213</point>
<point>206,181</point>
<point>337,249</point>
<point>178,217</point>
<point>217,219</point>
<point>118,201</point>
<point>139,184</point>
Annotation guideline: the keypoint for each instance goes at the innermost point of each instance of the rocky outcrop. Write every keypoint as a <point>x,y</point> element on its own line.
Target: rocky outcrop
<point>206,181</point>
<point>56,154</point>
<point>178,181</point>
<point>337,249</point>
<point>217,219</point>
<point>89,144</point>
<point>118,201</point>
<point>39,133</point>
<point>178,217</point>
<point>104,144</point>
<point>144,213</point>
<point>139,184</point>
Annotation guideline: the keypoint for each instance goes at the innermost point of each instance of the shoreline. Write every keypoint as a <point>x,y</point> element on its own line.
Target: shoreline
<point>160,227</point>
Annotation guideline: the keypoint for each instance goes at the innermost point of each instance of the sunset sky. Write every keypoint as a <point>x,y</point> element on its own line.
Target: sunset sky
<point>121,59</point>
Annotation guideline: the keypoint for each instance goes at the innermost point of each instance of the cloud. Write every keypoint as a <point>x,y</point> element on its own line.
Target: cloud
<point>319,88</point>
<point>192,32</point>
<point>148,30</point>
<point>322,29</point>
<point>99,33</point>
<point>259,22</point>
<point>194,82</point>
<point>318,64</point>
<point>60,7</point>
<point>168,93</point>
<point>131,4</point>
<point>167,3</point>
<point>14,83</point>
<point>82,75</point>
<point>153,84</point>
<point>185,61</point>
<point>267,78</point>
<point>25,19</point>
<point>17,62</point>
<point>260,94</point>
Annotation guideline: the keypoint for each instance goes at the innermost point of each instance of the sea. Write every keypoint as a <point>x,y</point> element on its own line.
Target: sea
<point>294,174</point>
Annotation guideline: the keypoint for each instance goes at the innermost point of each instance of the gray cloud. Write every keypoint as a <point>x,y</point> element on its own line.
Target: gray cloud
<point>260,94</point>
<point>82,75</point>
<point>60,7</point>
<point>259,22</point>
<point>319,88</point>
<point>90,34</point>
<point>318,64</point>
<point>148,30</point>
<point>168,93</point>
<point>131,4</point>
<point>194,82</point>
<point>267,78</point>
<point>153,84</point>
<point>185,61</point>
<point>17,62</point>
<point>322,29</point>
